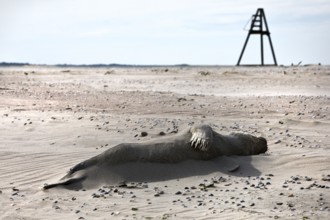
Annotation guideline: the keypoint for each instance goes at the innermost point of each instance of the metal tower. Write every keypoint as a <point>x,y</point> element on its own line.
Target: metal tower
<point>259,26</point>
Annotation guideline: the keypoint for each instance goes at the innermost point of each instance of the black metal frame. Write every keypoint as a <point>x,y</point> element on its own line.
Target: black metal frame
<point>257,27</point>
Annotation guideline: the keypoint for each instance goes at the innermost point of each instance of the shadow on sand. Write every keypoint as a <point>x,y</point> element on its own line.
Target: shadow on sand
<point>155,172</point>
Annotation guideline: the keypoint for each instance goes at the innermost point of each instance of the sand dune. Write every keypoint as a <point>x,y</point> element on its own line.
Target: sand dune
<point>52,119</point>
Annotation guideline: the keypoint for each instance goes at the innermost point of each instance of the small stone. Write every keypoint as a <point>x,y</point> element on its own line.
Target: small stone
<point>178,193</point>
<point>159,193</point>
<point>290,205</point>
<point>95,195</point>
<point>143,134</point>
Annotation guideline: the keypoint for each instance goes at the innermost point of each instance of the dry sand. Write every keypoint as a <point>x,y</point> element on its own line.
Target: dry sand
<point>53,118</point>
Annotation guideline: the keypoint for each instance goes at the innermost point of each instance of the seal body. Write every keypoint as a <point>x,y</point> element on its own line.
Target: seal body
<point>194,143</point>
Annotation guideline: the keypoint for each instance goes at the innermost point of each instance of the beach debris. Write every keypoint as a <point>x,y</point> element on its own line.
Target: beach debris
<point>204,73</point>
<point>182,99</point>
<point>109,72</point>
<point>326,177</point>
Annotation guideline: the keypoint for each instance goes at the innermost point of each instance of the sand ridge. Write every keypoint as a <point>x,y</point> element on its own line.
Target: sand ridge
<point>53,118</point>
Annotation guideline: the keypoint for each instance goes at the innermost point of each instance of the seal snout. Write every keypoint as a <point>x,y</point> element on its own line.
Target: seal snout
<point>262,145</point>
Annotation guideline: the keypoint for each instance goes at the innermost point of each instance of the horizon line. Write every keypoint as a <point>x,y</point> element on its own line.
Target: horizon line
<point>95,65</point>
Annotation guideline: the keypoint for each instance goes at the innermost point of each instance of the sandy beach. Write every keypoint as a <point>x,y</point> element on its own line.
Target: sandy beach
<point>53,118</point>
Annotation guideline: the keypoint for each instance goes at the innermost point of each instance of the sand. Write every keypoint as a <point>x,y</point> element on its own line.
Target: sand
<point>53,118</point>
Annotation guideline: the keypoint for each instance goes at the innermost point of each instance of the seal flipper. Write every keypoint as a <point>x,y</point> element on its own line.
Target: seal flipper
<point>65,183</point>
<point>230,164</point>
<point>81,166</point>
<point>201,137</point>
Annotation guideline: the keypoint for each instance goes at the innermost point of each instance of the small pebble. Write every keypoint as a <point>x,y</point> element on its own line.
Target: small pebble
<point>143,134</point>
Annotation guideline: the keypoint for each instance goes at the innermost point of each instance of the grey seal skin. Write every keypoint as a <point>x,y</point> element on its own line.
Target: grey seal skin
<point>194,143</point>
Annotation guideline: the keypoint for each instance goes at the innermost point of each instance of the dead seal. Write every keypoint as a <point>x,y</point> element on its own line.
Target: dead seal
<point>194,143</point>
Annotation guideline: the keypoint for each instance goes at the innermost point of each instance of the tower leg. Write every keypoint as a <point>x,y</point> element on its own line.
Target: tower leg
<point>262,49</point>
<point>271,47</point>
<point>240,57</point>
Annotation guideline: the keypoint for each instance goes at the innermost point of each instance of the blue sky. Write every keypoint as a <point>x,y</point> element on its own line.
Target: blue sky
<point>196,32</point>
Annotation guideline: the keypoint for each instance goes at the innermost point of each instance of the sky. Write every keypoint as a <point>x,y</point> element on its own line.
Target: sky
<point>161,32</point>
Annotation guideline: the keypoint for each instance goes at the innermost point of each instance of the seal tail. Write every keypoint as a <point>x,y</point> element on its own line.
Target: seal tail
<point>65,183</point>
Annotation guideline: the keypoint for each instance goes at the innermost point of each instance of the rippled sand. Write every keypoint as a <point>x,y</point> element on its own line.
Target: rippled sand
<point>53,118</point>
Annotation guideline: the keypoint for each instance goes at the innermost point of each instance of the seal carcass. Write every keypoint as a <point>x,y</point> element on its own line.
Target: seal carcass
<point>194,143</point>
